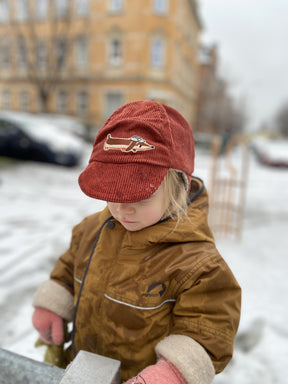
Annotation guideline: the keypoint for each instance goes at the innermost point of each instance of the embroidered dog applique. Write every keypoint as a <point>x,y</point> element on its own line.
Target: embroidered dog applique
<point>133,144</point>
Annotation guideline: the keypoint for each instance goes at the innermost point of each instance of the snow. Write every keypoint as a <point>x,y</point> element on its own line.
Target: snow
<point>40,203</point>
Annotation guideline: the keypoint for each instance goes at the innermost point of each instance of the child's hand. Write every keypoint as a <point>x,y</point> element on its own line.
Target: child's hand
<point>163,372</point>
<point>49,325</point>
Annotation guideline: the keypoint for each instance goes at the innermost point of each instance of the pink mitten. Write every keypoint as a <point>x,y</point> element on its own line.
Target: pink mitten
<point>49,325</point>
<point>163,372</point>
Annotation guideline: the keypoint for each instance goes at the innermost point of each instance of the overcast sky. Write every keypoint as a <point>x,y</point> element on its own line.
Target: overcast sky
<point>252,38</point>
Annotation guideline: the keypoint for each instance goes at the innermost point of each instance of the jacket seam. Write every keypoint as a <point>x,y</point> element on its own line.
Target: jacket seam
<point>198,265</point>
<point>207,329</point>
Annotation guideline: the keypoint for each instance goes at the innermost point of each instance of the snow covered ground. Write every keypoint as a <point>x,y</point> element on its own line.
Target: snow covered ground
<point>39,205</point>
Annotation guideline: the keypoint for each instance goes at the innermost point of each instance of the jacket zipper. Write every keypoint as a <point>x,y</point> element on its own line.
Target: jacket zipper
<point>82,285</point>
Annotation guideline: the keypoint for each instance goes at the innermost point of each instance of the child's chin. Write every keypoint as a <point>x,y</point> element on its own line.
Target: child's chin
<point>132,227</point>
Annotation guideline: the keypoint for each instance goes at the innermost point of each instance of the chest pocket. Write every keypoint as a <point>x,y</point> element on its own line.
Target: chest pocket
<point>149,305</point>
<point>149,313</point>
<point>144,295</point>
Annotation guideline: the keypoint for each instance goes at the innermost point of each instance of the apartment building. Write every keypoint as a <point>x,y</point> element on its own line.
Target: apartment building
<point>87,57</point>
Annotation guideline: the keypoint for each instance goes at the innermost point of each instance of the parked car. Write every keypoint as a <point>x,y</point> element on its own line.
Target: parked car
<point>29,138</point>
<point>273,153</point>
<point>66,123</point>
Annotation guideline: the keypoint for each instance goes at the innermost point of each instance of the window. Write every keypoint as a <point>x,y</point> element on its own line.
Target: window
<point>82,7</point>
<point>22,10</point>
<point>6,99</point>
<point>113,101</point>
<point>60,52</point>
<point>160,6</point>
<point>82,103</point>
<point>4,11</point>
<point>157,52</point>
<point>62,101</point>
<point>24,100</point>
<point>41,54</point>
<point>115,51</point>
<point>22,53</point>
<point>4,56</point>
<point>81,52</point>
<point>41,9</point>
<point>6,128</point>
<point>61,8</point>
<point>116,5</point>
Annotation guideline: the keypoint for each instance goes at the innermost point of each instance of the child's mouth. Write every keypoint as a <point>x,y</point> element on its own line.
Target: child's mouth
<point>128,221</point>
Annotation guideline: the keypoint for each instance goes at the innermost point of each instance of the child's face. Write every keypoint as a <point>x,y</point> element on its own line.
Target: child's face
<point>142,214</point>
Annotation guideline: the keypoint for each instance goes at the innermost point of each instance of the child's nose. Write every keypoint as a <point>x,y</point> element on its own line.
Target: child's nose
<point>126,208</point>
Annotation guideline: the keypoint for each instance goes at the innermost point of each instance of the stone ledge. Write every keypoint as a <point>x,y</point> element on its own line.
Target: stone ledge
<point>86,368</point>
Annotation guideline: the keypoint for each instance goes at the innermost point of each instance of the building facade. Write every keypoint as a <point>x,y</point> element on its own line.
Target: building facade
<point>87,57</point>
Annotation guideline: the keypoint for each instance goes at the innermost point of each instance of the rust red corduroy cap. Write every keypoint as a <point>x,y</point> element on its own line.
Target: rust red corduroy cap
<point>134,150</point>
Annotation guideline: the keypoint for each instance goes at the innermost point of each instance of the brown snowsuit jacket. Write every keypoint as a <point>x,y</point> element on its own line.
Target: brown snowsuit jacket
<point>127,291</point>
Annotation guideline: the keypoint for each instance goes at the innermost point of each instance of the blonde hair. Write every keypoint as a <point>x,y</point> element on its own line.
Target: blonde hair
<point>175,190</point>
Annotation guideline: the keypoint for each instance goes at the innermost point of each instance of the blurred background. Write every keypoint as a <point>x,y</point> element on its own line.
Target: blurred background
<point>66,65</point>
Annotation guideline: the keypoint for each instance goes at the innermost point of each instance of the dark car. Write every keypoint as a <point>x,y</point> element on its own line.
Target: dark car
<point>31,139</point>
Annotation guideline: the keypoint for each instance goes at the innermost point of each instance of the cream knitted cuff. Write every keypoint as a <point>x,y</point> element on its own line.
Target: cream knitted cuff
<point>189,357</point>
<point>55,298</point>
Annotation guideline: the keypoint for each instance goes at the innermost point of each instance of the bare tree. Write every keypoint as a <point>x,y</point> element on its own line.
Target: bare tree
<point>281,119</point>
<point>41,32</point>
<point>217,110</point>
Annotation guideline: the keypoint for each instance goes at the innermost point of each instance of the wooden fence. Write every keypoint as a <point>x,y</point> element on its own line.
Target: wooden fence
<point>227,187</point>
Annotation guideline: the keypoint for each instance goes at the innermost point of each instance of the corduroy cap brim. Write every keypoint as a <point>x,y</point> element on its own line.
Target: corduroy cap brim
<point>134,150</point>
<point>105,181</point>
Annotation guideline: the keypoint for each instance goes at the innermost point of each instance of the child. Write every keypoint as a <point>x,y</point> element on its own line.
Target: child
<point>142,280</point>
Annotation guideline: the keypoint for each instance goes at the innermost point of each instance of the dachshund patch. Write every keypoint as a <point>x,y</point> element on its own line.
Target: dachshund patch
<point>133,144</point>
